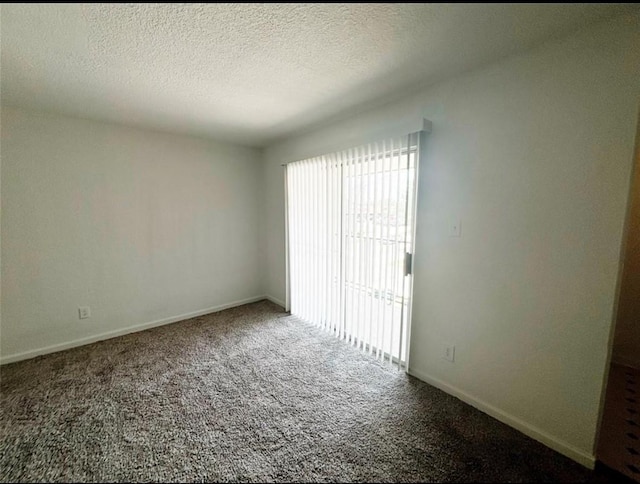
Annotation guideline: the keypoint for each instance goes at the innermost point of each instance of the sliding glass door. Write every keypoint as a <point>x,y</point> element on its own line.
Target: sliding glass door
<point>350,229</point>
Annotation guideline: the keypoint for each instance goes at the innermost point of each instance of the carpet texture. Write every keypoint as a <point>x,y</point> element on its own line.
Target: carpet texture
<point>248,394</point>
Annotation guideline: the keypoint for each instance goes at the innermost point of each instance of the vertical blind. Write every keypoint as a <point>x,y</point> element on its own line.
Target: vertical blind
<point>350,238</point>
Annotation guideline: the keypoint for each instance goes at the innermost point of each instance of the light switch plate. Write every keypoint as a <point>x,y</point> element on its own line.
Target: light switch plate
<point>84,312</point>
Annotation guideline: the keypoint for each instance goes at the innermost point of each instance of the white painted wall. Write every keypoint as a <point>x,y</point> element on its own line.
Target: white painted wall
<point>534,155</point>
<point>141,226</point>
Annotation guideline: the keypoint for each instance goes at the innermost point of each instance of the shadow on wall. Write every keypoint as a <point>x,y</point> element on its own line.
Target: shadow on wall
<point>626,345</point>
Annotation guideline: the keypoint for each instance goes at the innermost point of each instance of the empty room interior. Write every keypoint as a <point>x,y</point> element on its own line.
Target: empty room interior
<point>320,242</point>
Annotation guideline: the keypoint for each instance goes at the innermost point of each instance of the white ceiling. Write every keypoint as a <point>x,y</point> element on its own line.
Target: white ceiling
<point>253,73</point>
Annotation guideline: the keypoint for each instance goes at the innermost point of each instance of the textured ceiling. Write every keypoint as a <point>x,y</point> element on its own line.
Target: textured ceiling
<point>252,73</point>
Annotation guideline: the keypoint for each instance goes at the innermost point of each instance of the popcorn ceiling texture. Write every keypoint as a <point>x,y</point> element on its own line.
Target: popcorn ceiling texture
<point>253,73</point>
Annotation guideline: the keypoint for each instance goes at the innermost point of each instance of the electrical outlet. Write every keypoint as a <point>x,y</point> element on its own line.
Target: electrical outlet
<point>84,312</point>
<point>449,353</point>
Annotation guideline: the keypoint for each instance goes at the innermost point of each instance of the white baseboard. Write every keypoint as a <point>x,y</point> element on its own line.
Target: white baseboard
<point>275,300</point>
<point>120,332</point>
<point>541,436</point>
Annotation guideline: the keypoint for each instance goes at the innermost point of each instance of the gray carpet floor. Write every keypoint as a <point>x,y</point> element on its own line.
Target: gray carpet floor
<point>248,394</point>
